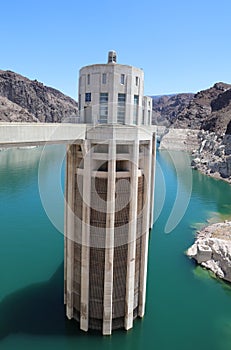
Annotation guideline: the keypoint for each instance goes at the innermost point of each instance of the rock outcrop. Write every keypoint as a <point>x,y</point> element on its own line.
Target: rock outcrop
<point>26,100</point>
<point>10,111</point>
<point>212,249</point>
<point>213,157</point>
<point>208,109</point>
<point>166,108</point>
<point>220,116</point>
<point>206,116</point>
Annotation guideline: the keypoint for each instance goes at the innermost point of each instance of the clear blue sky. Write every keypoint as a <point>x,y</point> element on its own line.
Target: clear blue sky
<point>182,45</point>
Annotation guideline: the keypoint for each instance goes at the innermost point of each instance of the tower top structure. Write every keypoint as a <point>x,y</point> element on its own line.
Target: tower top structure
<point>112,57</point>
<point>113,93</point>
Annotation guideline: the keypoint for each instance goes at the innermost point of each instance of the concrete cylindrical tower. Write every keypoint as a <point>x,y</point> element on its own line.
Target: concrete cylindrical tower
<point>109,192</point>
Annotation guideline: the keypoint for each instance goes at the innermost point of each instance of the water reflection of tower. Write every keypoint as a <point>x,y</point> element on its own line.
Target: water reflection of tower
<point>110,189</point>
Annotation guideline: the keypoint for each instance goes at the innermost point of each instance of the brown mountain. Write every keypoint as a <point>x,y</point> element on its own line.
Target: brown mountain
<point>209,109</point>
<point>10,111</point>
<point>220,117</point>
<point>22,99</point>
<point>209,112</point>
<point>166,108</point>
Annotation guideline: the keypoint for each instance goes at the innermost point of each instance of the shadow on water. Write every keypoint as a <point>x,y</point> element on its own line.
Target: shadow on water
<point>203,274</point>
<point>37,310</point>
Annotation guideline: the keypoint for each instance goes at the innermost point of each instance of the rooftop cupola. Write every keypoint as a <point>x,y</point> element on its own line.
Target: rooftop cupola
<point>112,57</point>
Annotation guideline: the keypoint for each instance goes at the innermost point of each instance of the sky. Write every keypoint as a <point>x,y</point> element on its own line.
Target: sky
<point>182,45</point>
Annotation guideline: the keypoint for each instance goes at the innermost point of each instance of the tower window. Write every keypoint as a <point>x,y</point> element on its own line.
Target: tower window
<point>143,116</point>
<point>103,110</point>
<point>87,97</point>
<point>135,109</point>
<point>79,102</point>
<point>137,81</point>
<point>149,117</point>
<point>122,79</point>
<point>121,108</point>
<point>136,100</point>
<point>88,79</point>
<point>104,78</point>
<point>104,97</point>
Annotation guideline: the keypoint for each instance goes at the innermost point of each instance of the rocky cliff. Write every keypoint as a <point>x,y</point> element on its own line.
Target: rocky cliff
<point>22,99</point>
<point>208,112</point>
<point>10,111</point>
<point>212,249</point>
<point>213,157</point>
<point>219,120</point>
<point>166,108</point>
<point>208,109</point>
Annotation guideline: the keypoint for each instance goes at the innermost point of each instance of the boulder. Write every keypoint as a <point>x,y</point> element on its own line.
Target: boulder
<point>212,249</point>
<point>204,253</point>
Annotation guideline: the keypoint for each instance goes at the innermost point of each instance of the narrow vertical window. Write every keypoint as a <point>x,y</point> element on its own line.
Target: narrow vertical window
<point>137,81</point>
<point>88,79</point>
<point>104,78</point>
<point>103,109</point>
<point>149,117</point>
<point>87,97</point>
<point>135,109</point>
<point>79,105</point>
<point>121,108</point>
<point>122,79</point>
<point>143,116</point>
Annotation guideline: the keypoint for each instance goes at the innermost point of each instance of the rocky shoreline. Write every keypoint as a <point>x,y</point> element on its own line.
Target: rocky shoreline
<point>212,249</point>
<point>213,157</point>
<point>211,152</point>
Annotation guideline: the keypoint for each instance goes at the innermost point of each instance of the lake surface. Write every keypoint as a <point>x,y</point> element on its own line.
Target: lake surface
<point>186,307</point>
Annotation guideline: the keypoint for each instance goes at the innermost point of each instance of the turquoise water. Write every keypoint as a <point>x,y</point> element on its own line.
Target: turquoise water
<point>186,307</point>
